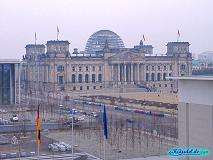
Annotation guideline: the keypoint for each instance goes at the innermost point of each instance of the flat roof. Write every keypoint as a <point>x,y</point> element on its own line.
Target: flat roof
<point>207,78</point>
<point>10,61</point>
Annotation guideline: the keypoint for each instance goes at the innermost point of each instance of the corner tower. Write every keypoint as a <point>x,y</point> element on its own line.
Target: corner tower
<point>178,49</point>
<point>34,50</point>
<point>58,49</point>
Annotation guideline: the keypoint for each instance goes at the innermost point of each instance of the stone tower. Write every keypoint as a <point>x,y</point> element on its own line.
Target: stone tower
<point>58,49</point>
<point>33,51</point>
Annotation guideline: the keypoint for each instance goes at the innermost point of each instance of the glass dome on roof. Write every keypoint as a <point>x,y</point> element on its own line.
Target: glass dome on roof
<point>97,40</point>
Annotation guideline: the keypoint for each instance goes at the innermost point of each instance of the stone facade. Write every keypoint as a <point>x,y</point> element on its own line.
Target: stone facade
<point>58,69</point>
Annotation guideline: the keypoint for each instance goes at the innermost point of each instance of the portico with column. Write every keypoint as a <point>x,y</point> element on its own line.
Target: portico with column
<point>126,73</point>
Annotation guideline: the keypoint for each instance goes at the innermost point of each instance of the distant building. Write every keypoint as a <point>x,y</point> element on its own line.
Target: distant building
<point>206,57</point>
<point>195,114</point>
<point>204,64</point>
<point>105,63</point>
<point>8,78</point>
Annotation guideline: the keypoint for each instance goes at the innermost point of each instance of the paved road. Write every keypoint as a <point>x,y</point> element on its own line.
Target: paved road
<point>77,156</point>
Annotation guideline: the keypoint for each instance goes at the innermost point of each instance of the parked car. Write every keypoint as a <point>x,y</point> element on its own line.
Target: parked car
<point>93,114</point>
<point>53,147</point>
<point>4,121</point>
<point>14,118</point>
<point>68,147</point>
<point>81,118</point>
<point>60,106</point>
<point>60,147</point>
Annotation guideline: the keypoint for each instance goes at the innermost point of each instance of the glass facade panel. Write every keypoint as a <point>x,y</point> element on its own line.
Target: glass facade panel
<point>7,84</point>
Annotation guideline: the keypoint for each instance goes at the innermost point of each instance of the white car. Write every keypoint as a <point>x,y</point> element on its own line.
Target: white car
<point>61,106</point>
<point>68,147</point>
<point>53,147</point>
<point>81,118</point>
<point>14,118</point>
<point>60,147</point>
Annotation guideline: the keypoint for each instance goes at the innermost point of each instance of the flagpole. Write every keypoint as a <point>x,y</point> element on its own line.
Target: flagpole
<point>38,132</point>
<point>72,130</point>
<point>38,150</point>
<point>105,131</point>
<point>104,148</point>
<point>35,38</point>
<point>177,37</point>
<point>72,136</point>
<point>57,32</point>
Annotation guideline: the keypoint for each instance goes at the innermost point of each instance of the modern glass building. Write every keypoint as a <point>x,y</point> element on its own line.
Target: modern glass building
<point>8,70</point>
<point>96,41</point>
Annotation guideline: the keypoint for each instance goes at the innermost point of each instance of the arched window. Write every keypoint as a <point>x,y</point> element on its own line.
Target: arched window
<point>153,77</point>
<point>99,77</point>
<point>87,78</point>
<point>93,78</point>
<point>60,68</point>
<point>80,78</point>
<point>158,77</point>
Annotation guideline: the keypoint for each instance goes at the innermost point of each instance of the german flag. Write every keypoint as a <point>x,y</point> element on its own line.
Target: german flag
<point>38,126</point>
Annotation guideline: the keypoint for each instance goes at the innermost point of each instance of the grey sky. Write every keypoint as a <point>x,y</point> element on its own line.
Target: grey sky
<point>158,20</point>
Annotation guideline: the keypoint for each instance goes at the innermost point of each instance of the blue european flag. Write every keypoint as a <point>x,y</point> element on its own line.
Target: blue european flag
<point>105,123</point>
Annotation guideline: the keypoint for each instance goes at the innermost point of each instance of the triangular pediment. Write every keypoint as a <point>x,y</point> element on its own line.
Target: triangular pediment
<point>126,56</point>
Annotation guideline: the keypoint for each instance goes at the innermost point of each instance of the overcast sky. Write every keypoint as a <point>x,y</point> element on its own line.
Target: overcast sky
<point>158,20</point>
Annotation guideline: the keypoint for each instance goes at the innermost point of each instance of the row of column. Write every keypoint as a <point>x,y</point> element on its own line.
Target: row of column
<point>130,72</point>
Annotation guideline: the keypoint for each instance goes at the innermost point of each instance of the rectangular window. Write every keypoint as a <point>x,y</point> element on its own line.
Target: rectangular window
<point>60,68</point>
<point>158,68</point>
<point>164,76</point>
<point>153,68</point>
<point>147,67</point>
<point>73,78</point>
<point>60,79</point>
<point>170,67</point>
<point>164,68</point>
<point>87,68</point>
<point>79,68</point>
<point>93,68</point>
<point>73,68</point>
<point>99,68</point>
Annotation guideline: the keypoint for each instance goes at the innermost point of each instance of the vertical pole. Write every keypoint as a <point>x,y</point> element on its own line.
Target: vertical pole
<point>38,151</point>
<point>72,130</point>
<point>104,148</point>
<point>35,38</point>
<point>19,85</point>
<point>72,137</point>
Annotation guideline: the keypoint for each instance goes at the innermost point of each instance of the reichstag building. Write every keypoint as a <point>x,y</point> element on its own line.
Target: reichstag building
<point>105,63</point>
